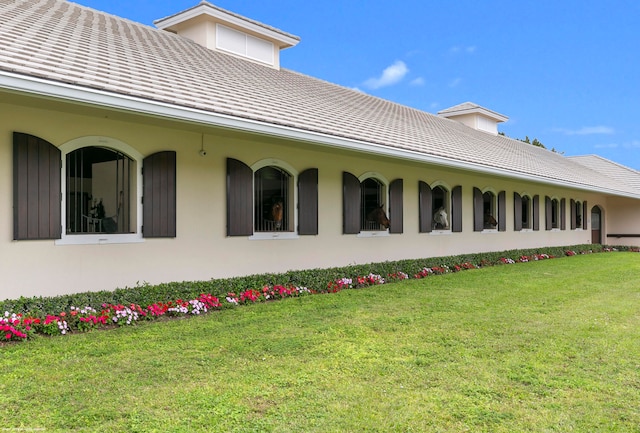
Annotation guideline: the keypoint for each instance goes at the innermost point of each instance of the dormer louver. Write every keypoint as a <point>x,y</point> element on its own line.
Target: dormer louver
<point>475,117</point>
<point>224,31</point>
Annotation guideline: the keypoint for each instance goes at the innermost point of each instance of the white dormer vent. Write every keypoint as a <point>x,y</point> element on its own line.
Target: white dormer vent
<point>475,116</point>
<point>221,30</point>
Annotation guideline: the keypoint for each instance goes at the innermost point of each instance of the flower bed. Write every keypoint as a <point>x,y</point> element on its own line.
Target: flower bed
<point>32,319</point>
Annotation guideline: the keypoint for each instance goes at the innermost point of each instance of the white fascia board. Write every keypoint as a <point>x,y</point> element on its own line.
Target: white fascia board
<point>476,110</point>
<point>229,18</point>
<point>34,86</point>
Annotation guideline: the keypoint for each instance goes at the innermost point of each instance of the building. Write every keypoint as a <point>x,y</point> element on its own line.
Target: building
<point>185,152</point>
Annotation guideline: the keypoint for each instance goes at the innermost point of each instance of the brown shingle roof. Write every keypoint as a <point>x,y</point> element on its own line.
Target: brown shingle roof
<point>65,42</point>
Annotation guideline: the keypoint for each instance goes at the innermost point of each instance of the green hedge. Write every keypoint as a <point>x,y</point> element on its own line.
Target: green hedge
<point>314,279</point>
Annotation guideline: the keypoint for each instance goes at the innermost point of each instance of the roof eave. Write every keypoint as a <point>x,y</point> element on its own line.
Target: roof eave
<point>284,39</point>
<point>33,86</point>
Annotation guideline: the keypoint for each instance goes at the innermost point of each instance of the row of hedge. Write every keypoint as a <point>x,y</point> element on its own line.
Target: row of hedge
<point>315,280</point>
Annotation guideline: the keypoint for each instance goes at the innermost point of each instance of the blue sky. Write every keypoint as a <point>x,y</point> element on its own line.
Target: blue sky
<point>565,72</point>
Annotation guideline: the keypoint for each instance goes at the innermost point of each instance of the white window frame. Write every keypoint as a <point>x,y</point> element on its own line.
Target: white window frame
<point>447,188</point>
<point>385,193</point>
<point>102,238</point>
<point>494,210</point>
<point>272,162</point>
<point>530,197</point>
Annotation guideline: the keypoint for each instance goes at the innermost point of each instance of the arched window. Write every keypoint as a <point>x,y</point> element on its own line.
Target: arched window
<point>489,210</point>
<point>522,211</point>
<point>98,191</point>
<point>555,213</point>
<point>273,210</point>
<point>440,201</point>
<point>372,202</point>
<point>271,200</point>
<point>577,210</point>
<point>440,208</point>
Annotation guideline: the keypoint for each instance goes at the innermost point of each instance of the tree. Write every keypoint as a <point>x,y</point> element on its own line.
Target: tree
<point>535,142</point>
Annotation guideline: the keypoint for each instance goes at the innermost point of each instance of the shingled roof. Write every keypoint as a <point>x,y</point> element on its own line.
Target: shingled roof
<point>65,43</point>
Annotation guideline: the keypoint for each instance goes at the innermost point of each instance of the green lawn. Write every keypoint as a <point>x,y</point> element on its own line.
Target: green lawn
<point>549,346</point>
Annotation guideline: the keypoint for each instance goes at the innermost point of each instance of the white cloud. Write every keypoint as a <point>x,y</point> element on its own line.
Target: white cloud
<point>455,82</point>
<point>587,130</point>
<point>606,146</point>
<point>391,75</point>
<point>633,144</point>
<point>458,49</point>
<point>417,82</point>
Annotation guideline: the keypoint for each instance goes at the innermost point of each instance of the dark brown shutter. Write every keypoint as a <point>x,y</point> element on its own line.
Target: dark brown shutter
<point>396,213</point>
<point>239,198</point>
<point>563,214</point>
<point>308,202</point>
<point>159,195</point>
<point>584,215</point>
<point>478,215</point>
<point>572,212</point>
<point>456,209</point>
<point>36,188</point>
<point>517,212</point>
<point>425,207</point>
<point>536,212</point>
<point>548,211</point>
<point>502,211</point>
<point>350,204</point>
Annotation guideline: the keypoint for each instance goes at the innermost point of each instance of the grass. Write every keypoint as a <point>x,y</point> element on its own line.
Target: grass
<point>549,346</point>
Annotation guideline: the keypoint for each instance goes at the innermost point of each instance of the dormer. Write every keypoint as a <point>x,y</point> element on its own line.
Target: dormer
<point>475,116</point>
<point>230,33</point>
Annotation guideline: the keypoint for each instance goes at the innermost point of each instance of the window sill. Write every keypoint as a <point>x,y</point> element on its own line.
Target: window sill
<point>489,231</point>
<point>100,239</point>
<point>273,235</point>
<point>440,232</point>
<point>373,234</point>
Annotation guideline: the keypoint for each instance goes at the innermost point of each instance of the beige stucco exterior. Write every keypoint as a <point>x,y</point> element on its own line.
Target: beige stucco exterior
<point>201,250</point>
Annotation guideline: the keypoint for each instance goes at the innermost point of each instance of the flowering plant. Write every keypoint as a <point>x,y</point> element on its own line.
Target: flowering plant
<point>337,285</point>
<point>14,326</point>
<point>18,327</point>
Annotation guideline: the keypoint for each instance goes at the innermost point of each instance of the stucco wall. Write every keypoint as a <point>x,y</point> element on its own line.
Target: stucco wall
<point>202,250</point>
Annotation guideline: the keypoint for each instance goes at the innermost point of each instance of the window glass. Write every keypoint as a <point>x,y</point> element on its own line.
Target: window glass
<point>441,208</point>
<point>526,212</point>
<point>555,208</point>
<point>98,190</point>
<point>489,210</point>
<point>273,200</point>
<point>372,214</point>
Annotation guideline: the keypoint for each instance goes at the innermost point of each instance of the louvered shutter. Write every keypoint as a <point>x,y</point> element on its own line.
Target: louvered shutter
<point>159,195</point>
<point>350,204</point>
<point>239,198</point>
<point>425,207</point>
<point>396,213</point>
<point>478,215</point>
<point>572,213</point>
<point>502,211</point>
<point>548,211</point>
<point>584,215</point>
<point>517,212</point>
<point>456,209</point>
<point>36,188</point>
<point>536,212</point>
<point>308,202</point>
<point>563,214</point>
